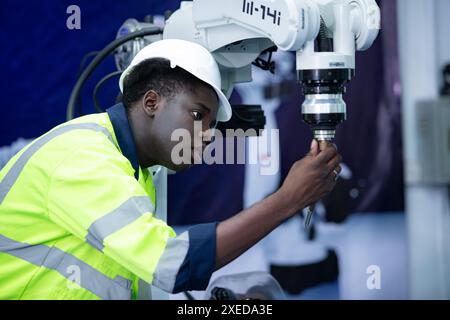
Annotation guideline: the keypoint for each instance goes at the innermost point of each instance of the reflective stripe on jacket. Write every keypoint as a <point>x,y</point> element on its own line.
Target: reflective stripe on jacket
<point>76,220</point>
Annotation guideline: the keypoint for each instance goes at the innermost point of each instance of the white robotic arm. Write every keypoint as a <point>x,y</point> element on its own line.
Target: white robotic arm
<point>324,33</point>
<point>237,31</point>
<point>288,24</point>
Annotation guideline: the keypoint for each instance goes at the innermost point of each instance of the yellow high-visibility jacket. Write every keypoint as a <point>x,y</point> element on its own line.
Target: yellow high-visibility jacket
<point>77,220</point>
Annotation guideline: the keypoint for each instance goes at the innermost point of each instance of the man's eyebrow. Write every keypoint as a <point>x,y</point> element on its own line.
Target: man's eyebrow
<point>203,106</point>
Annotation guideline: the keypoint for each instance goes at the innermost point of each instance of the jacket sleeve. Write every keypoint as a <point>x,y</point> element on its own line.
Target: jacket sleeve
<point>93,194</point>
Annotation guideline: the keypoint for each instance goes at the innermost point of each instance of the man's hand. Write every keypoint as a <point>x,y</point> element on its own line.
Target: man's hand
<point>311,178</point>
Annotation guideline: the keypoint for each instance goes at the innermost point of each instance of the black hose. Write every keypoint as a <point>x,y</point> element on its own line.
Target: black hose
<point>84,60</point>
<point>80,70</point>
<point>189,296</point>
<point>97,105</point>
<point>96,61</point>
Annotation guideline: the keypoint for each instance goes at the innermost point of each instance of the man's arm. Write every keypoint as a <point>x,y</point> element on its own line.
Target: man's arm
<point>189,260</point>
<point>309,180</point>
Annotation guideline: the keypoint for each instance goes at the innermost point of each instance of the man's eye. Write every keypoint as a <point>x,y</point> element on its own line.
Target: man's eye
<point>197,115</point>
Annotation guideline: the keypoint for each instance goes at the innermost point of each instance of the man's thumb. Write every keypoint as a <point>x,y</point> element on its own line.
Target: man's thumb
<point>314,151</point>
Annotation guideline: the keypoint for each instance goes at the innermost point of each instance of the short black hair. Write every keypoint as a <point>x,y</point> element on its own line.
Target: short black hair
<point>157,74</point>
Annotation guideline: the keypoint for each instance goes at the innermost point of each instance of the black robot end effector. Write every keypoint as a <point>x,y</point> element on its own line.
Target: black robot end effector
<point>324,107</point>
<point>324,81</point>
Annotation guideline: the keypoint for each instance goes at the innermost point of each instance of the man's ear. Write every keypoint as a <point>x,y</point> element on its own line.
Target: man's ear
<point>151,102</point>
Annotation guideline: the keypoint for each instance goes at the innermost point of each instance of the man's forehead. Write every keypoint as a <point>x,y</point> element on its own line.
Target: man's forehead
<point>208,96</point>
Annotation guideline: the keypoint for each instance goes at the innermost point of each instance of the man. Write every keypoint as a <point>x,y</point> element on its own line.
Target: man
<point>77,204</point>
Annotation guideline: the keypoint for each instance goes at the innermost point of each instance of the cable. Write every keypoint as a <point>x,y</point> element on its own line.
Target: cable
<point>97,105</point>
<point>266,65</point>
<point>188,295</point>
<point>80,70</point>
<point>99,58</point>
<point>84,60</point>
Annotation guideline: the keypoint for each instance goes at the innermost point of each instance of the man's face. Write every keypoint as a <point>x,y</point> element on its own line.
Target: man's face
<point>181,112</point>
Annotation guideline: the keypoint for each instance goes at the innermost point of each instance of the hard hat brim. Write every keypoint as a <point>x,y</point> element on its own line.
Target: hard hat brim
<point>224,112</point>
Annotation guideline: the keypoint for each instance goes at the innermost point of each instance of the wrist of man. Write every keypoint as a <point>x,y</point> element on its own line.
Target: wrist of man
<point>285,204</point>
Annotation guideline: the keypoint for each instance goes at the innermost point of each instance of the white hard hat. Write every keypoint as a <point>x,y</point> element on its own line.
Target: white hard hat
<point>190,56</point>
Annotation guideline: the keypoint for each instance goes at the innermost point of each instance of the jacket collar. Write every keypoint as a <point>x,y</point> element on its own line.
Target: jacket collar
<point>119,119</point>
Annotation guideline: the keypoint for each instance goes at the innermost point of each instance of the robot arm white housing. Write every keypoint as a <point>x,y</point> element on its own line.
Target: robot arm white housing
<point>238,31</point>
<point>327,63</point>
<point>324,33</point>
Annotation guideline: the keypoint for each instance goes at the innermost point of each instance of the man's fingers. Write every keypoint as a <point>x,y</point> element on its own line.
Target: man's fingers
<point>327,154</point>
<point>314,149</point>
<point>333,164</point>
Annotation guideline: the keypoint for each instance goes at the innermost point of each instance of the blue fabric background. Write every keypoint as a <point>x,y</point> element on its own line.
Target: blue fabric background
<point>39,58</point>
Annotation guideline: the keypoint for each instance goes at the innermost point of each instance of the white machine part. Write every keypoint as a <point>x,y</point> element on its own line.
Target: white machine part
<point>324,34</point>
<point>433,128</point>
<point>125,53</point>
<point>242,29</point>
